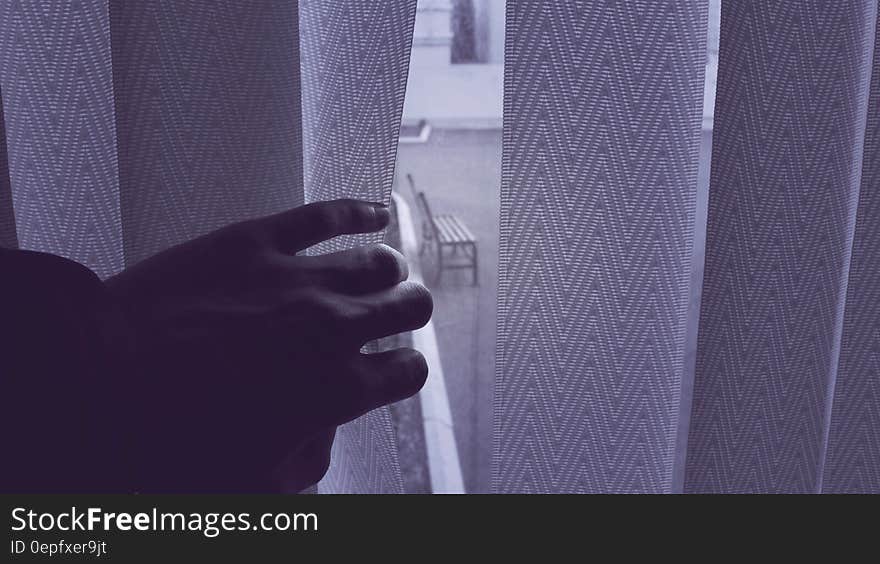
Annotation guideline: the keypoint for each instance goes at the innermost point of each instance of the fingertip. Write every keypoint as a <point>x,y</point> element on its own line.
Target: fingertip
<point>418,369</point>
<point>379,379</point>
<point>381,215</point>
<point>390,263</point>
<point>411,375</point>
<point>420,302</point>
<point>302,227</point>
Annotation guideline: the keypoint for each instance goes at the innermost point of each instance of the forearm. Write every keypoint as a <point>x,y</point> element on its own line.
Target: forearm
<point>63,344</point>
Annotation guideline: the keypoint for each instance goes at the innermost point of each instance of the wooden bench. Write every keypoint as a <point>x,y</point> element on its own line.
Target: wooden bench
<point>446,237</point>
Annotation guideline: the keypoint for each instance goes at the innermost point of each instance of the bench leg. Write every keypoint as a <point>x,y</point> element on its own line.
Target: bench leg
<point>426,238</point>
<point>474,254</point>
<point>439,274</point>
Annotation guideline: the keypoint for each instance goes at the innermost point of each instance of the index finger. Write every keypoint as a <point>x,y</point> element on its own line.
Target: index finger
<point>302,227</point>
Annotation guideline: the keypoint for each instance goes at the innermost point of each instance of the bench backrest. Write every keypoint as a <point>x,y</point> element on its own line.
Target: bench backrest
<point>422,204</point>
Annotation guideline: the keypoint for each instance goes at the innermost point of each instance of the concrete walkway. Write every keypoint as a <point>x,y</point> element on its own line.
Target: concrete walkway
<point>460,172</point>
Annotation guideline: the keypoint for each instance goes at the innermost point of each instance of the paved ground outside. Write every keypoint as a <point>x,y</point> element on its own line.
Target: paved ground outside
<point>406,415</point>
<point>460,172</point>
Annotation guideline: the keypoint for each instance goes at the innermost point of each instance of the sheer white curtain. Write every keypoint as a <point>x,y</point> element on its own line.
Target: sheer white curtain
<point>57,87</point>
<point>603,106</point>
<point>601,121</point>
<point>788,329</point>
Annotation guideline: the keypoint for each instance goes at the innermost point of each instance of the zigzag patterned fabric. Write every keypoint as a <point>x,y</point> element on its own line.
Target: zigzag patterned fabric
<point>8,234</point>
<point>789,128</point>
<point>354,81</point>
<point>852,462</point>
<point>57,86</point>
<point>602,121</point>
<point>207,116</point>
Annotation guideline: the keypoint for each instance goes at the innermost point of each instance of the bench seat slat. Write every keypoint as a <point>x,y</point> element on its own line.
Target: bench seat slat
<point>451,230</point>
<point>455,227</point>
<point>446,228</point>
<point>465,232</point>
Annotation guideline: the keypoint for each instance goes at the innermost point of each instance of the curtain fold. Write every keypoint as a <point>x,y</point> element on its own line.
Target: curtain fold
<point>787,152</point>
<point>55,75</point>
<point>853,457</point>
<point>602,120</point>
<point>207,116</point>
<point>355,60</point>
<point>8,234</point>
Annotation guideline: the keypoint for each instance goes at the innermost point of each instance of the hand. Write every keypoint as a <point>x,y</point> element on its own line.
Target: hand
<point>251,353</point>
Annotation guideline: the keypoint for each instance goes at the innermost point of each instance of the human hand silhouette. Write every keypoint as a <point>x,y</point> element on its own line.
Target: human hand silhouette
<point>252,354</point>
